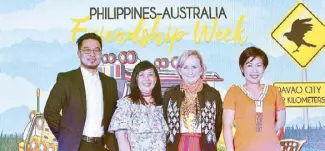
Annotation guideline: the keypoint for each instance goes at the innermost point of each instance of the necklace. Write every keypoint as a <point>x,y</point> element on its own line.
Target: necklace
<point>190,105</point>
<point>150,101</point>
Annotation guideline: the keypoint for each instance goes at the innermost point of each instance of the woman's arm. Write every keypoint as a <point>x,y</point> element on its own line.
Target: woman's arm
<point>165,102</point>
<point>280,110</point>
<point>281,119</point>
<point>219,111</point>
<point>228,119</point>
<point>122,140</point>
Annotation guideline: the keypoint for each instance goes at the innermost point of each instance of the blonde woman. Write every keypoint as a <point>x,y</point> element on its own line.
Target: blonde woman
<point>193,109</point>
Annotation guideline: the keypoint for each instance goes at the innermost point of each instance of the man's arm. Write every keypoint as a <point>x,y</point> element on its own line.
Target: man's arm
<point>113,97</point>
<point>115,94</point>
<point>54,105</point>
<point>110,141</point>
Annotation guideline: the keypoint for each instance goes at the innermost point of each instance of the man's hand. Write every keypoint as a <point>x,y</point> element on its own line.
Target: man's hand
<point>106,147</point>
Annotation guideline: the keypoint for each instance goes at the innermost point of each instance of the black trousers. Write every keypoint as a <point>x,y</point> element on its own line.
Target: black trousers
<point>85,146</point>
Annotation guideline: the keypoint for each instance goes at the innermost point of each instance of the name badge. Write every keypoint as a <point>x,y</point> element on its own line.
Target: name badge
<point>259,106</point>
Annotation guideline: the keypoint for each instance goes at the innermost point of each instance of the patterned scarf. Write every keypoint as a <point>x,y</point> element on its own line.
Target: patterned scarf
<point>195,88</point>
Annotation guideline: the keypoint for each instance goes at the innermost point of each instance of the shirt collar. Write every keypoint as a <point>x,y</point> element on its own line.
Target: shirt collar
<point>86,73</point>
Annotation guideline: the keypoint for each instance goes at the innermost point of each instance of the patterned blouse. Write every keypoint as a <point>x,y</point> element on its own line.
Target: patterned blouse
<point>145,125</point>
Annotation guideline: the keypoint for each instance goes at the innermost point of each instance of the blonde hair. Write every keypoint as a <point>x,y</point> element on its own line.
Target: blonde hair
<point>185,55</point>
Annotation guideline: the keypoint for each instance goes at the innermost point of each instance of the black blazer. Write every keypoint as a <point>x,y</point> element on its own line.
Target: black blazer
<point>211,116</point>
<point>68,94</point>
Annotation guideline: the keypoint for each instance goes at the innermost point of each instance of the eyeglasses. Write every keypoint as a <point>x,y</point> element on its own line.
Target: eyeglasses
<point>88,51</point>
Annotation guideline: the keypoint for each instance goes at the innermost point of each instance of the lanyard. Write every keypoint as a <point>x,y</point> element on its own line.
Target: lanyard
<point>259,101</point>
<point>258,107</point>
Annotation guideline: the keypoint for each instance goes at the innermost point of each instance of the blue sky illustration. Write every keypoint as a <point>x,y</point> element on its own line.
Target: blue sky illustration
<point>35,45</point>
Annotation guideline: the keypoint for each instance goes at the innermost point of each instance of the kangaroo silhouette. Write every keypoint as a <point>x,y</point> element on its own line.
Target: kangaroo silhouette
<point>298,30</point>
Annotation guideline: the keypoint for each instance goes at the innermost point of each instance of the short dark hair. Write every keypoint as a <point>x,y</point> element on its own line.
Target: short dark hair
<point>252,52</point>
<point>88,36</point>
<point>135,94</point>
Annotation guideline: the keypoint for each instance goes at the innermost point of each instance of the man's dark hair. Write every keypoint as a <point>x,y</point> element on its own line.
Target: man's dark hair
<point>253,52</point>
<point>135,95</point>
<point>88,36</point>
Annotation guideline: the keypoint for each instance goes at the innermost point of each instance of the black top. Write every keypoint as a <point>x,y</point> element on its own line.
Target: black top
<point>210,104</point>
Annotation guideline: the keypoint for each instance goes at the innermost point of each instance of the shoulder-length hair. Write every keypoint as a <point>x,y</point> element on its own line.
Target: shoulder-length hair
<point>135,94</point>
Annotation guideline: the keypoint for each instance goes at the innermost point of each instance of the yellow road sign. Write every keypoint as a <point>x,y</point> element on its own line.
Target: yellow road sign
<point>302,94</point>
<point>301,35</point>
